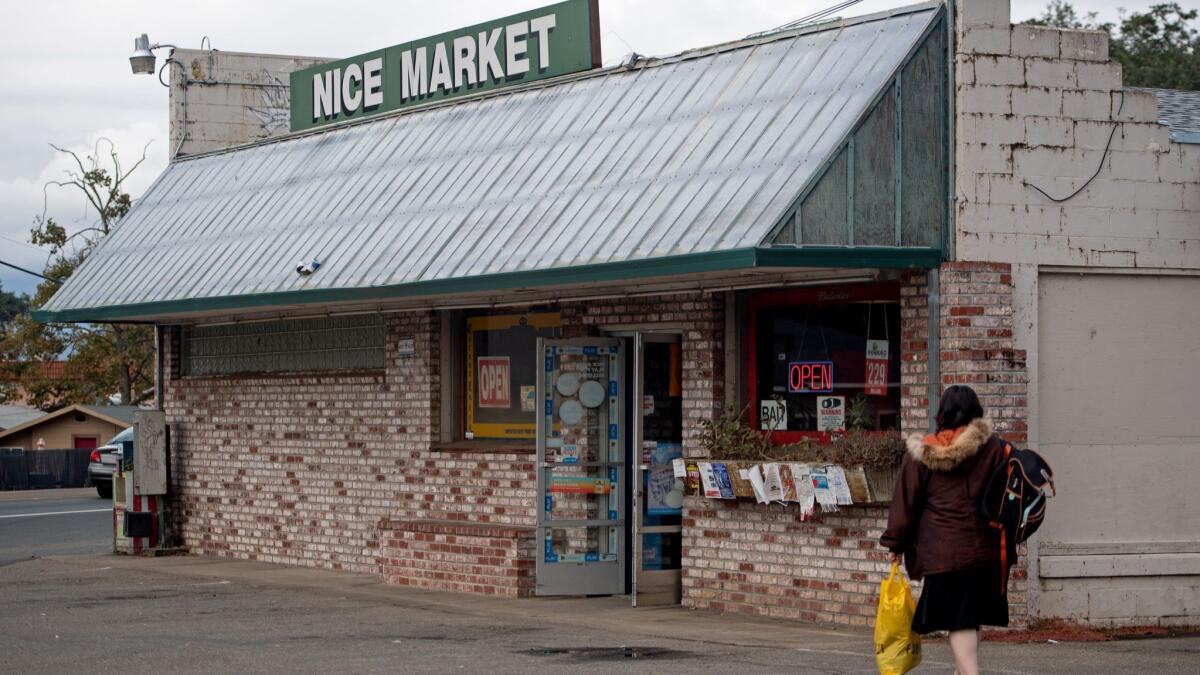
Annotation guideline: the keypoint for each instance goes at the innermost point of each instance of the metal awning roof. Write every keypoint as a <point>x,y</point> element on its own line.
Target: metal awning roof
<point>672,166</point>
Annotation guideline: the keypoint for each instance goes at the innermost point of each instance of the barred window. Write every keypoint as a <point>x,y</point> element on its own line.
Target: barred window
<point>293,345</point>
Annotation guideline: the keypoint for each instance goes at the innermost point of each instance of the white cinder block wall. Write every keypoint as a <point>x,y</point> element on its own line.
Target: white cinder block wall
<point>1037,106</point>
<point>221,99</point>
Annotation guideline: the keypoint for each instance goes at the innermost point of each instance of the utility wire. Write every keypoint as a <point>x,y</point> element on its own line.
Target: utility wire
<point>22,269</point>
<point>815,16</point>
<point>1103,157</point>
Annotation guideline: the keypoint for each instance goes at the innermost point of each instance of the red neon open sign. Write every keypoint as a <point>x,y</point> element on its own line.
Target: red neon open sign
<point>810,377</point>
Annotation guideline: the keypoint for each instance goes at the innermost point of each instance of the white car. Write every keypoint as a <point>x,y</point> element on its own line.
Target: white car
<point>103,463</point>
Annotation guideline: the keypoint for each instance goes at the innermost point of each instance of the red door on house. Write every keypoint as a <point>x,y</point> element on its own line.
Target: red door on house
<point>86,442</point>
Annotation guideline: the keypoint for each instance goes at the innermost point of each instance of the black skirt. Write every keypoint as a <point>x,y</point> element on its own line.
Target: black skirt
<point>961,600</point>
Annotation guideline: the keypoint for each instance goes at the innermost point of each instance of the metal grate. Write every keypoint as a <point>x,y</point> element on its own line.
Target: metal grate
<point>294,345</point>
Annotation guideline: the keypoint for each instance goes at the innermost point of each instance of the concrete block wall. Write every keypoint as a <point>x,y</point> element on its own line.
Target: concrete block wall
<point>221,99</point>
<point>1037,107</point>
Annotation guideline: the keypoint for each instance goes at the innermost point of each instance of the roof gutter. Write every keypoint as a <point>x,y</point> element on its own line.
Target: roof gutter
<point>852,257</point>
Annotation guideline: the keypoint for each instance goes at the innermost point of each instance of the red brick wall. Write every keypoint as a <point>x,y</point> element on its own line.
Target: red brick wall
<point>761,559</point>
<point>487,559</point>
<point>702,317</point>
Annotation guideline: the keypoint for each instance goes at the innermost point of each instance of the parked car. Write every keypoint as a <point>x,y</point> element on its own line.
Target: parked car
<point>103,463</point>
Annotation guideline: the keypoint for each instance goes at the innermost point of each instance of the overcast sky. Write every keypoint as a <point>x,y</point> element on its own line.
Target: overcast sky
<point>65,72</point>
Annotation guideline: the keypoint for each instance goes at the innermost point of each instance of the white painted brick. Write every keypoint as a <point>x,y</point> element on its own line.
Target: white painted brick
<point>1175,224</point>
<point>1040,101</point>
<point>1134,106</point>
<point>1084,45</point>
<point>1035,41</point>
<point>1141,166</point>
<point>1003,188</point>
<point>1189,159</point>
<point>1055,162</point>
<point>1143,137</point>
<point>985,41</point>
<point>1092,135</point>
<point>987,13</point>
<point>1087,105</point>
<point>1191,200</point>
<point>965,73</point>
<point>984,158</point>
<point>999,70</point>
<point>1105,76</point>
<point>1054,131</point>
<point>1170,167</point>
<point>985,99</point>
<point>1002,129</point>
<point>1050,73</point>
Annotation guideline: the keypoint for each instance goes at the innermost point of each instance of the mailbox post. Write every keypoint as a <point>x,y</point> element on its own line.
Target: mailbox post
<point>141,525</point>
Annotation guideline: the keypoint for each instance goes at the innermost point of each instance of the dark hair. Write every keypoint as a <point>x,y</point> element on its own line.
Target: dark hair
<point>959,407</point>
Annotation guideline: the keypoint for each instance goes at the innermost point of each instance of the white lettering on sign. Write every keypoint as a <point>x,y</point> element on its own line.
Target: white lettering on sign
<point>489,62</point>
<point>495,384</point>
<point>414,78</point>
<point>373,83</point>
<point>515,47</point>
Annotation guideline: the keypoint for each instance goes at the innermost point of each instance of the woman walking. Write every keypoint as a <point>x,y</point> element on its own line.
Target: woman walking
<point>935,527</point>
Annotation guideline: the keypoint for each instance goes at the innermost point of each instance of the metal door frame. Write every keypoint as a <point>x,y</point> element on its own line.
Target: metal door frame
<point>571,578</point>
<point>641,336</point>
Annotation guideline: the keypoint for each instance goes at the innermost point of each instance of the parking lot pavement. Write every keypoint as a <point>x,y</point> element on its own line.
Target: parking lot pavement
<point>183,615</point>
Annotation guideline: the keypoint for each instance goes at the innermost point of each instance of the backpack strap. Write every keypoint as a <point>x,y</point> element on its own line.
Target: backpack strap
<point>1003,529</point>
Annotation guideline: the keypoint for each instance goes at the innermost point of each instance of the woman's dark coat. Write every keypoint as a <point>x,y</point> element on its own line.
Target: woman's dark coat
<point>934,519</point>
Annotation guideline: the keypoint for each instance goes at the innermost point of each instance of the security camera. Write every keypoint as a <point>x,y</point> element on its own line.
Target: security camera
<point>306,268</point>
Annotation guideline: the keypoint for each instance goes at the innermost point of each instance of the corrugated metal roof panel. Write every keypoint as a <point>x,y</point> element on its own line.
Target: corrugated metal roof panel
<point>697,153</point>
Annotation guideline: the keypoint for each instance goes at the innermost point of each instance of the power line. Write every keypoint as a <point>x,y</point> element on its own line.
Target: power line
<point>22,269</point>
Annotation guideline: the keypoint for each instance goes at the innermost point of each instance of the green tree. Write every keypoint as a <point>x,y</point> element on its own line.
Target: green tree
<point>103,361</point>
<point>11,306</point>
<point>1156,48</point>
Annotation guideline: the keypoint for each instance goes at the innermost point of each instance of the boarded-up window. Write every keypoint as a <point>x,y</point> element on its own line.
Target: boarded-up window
<point>294,345</point>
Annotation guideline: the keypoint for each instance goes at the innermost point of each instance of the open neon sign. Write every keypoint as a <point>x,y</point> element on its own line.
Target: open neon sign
<point>810,377</point>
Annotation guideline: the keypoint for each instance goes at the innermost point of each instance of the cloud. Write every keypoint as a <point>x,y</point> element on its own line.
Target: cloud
<point>23,197</point>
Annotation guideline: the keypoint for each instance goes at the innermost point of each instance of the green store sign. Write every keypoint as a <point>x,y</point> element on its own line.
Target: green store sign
<point>534,45</point>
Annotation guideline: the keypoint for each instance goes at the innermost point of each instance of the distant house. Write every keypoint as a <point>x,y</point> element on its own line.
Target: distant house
<point>48,370</point>
<point>76,426</point>
<point>13,415</point>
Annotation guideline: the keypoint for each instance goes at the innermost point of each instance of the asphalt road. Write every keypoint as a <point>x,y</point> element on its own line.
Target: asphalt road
<point>73,607</point>
<point>38,523</point>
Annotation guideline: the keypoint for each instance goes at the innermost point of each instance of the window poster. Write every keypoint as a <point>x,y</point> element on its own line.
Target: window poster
<point>501,370</point>
<point>664,490</point>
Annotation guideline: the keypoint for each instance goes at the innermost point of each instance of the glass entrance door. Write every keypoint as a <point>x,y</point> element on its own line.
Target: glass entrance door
<point>658,437</point>
<point>581,467</point>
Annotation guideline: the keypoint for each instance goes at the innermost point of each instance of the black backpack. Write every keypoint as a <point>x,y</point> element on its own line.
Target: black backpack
<point>1014,500</point>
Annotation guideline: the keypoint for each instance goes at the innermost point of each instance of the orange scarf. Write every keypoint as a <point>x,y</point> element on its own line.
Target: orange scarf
<point>943,438</point>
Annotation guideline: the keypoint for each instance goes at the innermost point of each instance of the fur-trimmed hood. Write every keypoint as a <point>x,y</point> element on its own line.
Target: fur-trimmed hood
<point>933,453</point>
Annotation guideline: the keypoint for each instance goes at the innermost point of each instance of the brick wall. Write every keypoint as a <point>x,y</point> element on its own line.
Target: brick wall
<point>301,469</point>
<point>762,559</point>
<point>702,317</point>
<point>487,559</point>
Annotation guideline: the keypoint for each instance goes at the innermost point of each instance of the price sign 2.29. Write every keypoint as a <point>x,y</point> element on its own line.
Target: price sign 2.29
<point>877,367</point>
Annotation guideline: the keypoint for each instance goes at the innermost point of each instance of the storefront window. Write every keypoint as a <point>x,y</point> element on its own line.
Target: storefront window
<point>825,361</point>
<point>501,373</point>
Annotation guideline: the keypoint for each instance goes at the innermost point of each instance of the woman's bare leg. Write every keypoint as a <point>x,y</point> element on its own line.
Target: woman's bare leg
<point>965,645</point>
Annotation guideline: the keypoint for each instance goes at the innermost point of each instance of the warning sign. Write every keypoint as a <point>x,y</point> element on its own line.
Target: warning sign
<point>495,382</point>
<point>877,367</point>
<point>831,413</point>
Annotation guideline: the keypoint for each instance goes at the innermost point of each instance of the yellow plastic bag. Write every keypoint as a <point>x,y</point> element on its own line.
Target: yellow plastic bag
<point>897,647</point>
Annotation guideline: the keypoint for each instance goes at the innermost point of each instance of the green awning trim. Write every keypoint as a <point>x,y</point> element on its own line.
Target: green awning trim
<point>668,266</point>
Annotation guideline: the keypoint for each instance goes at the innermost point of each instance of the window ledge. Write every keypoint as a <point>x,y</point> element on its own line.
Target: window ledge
<point>483,446</point>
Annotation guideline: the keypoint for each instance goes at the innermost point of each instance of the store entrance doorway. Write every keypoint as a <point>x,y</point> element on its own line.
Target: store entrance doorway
<point>581,467</point>
<point>657,440</point>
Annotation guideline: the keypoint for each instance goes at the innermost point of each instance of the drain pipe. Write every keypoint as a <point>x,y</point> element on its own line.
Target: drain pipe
<point>158,367</point>
<point>933,343</point>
